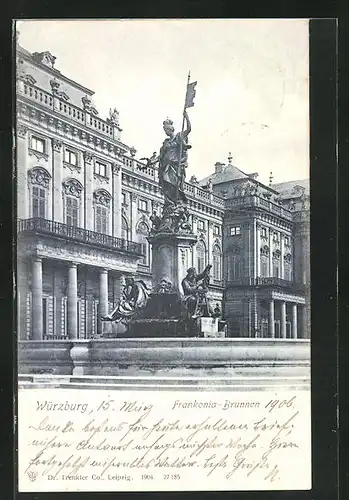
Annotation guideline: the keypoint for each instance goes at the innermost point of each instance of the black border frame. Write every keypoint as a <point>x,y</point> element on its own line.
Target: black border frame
<point>324,186</point>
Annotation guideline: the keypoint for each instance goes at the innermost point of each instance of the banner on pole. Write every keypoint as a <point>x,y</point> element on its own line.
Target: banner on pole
<point>189,98</point>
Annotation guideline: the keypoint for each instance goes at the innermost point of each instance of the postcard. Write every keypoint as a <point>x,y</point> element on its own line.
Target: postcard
<point>163,258</point>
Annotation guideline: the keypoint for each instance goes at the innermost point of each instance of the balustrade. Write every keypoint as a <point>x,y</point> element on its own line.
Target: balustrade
<point>45,226</point>
<point>39,95</point>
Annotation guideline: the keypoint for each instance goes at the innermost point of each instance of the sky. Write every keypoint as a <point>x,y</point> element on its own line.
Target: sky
<point>251,96</point>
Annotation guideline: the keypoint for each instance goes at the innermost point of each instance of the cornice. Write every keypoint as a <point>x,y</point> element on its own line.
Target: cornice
<point>75,130</point>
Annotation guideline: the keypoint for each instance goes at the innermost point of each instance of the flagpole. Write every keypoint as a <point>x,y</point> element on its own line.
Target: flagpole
<point>181,143</point>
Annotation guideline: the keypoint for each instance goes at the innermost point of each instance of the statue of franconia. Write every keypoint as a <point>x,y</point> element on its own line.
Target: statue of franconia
<point>173,161</point>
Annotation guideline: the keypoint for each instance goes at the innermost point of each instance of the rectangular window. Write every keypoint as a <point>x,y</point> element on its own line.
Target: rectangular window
<point>235,231</point>
<point>101,219</point>
<point>72,211</point>
<point>234,267</point>
<point>143,205</point>
<point>70,157</point>
<point>287,241</point>
<point>276,237</point>
<point>144,250</point>
<point>124,199</point>
<point>264,267</point>
<point>100,168</point>
<point>216,230</point>
<point>263,232</point>
<point>38,202</point>
<point>201,225</point>
<point>288,272</point>
<point>276,269</point>
<point>37,144</point>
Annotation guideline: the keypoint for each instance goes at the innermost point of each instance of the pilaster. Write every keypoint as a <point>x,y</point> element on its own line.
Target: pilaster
<point>133,215</point>
<point>117,200</point>
<point>22,166</point>
<point>57,200</point>
<point>88,191</point>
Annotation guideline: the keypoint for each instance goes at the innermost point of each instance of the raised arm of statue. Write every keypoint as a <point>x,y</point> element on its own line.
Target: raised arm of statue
<point>187,131</point>
<point>204,272</point>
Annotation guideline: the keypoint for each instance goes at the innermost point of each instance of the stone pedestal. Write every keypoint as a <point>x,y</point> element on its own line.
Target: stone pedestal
<point>169,251</point>
<point>212,327</point>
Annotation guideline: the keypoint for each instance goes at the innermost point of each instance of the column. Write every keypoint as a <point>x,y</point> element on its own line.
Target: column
<point>271,319</point>
<point>21,164</point>
<point>103,298</point>
<point>37,324</point>
<point>283,319</point>
<point>117,200</point>
<point>72,299</point>
<point>118,284</point>
<point>57,200</point>
<point>305,323</point>
<point>294,321</point>
<point>254,316</point>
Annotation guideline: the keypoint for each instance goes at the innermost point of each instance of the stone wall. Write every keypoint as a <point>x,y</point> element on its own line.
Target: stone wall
<point>264,359</point>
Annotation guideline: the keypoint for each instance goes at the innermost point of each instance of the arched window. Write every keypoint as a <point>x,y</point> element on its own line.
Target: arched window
<point>39,182</point>
<point>217,262</point>
<point>72,190</point>
<point>200,256</point>
<point>143,231</point>
<point>102,201</point>
<point>124,229</point>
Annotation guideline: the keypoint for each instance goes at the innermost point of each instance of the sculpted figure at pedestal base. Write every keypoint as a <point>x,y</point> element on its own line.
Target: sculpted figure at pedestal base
<point>134,298</point>
<point>195,288</point>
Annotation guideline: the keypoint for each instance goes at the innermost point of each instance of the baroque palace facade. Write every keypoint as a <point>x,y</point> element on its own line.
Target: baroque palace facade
<point>84,207</point>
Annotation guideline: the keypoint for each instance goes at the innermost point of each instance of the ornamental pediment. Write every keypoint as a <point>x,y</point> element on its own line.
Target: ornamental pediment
<point>45,58</point>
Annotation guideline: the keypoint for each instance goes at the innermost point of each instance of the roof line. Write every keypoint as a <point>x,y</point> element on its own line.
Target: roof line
<point>53,71</point>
